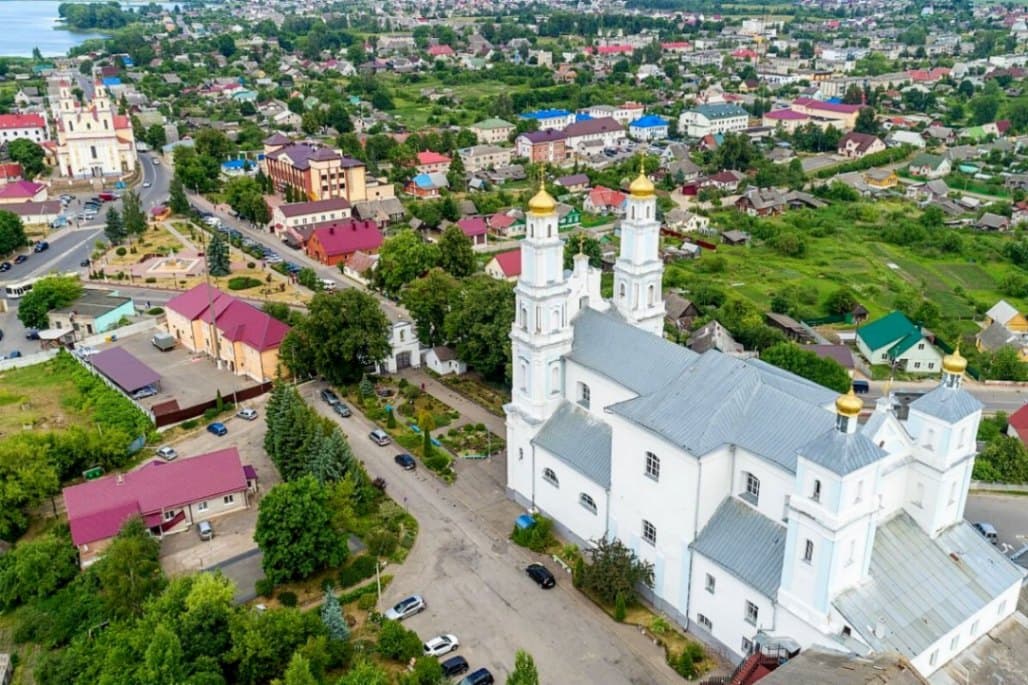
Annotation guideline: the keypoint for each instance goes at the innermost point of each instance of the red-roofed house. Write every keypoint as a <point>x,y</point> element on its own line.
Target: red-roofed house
<point>29,126</point>
<point>843,116</point>
<point>247,338</point>
<point>788,119</point>
<point>431,162</point>
<point>676,47</point>
<point>1017,424</point>
<point>505,266</point>
<point>605,201</point>
<point>334,243</point>
<point>22,191</point>
<point>440,51</point>
<point>746,54</point>
<point>475,228</point>
<point>10,172</point>
<point>928,76</point>
<point>856,145</point>
<point>506,225</point>
<point>169,497</point>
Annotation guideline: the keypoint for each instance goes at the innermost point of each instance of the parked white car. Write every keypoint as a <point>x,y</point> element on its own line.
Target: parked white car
<point>247,413</point>
<point>167,453</point>
<point>441,644</point>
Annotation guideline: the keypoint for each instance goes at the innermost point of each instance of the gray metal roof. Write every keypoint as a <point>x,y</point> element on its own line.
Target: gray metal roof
<point>753,405</point>
<point>580,440</point>
<point>948,404</point>
<point>842,453</point>
<point>635,359</point>
<point>918,591</point>
<point>745,543</point>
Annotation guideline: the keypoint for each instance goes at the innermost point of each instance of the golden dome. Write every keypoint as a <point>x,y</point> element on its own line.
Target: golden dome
<point>641,186</point>
<point>542,203</point>
<point>954,363</point>
<point>849,404</point>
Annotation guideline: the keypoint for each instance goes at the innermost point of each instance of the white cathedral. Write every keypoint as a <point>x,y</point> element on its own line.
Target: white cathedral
<point>770,515</point>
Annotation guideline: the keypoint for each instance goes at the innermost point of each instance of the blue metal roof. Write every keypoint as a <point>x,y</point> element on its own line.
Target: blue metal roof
<point>545,114</point>
<point>649,121</point>
<point>745,543</point>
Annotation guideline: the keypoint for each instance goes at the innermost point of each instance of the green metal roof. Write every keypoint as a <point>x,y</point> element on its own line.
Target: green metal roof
<point>927,159</point>
<point>492,123</point>
<point>895,329</point>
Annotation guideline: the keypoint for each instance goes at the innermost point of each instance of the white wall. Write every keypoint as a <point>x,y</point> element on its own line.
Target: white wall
<point>562,502</point>
<point>775,483</point>
<point>726,607</point>
<point>603,392</point>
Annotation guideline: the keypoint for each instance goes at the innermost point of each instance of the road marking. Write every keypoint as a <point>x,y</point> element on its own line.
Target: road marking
<point>47,265</point>
<point>1005,547</point>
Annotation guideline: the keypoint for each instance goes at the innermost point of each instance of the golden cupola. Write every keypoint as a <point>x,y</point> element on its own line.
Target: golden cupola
<point>849,405</point>
<point>954,363</point>
<point>542,203</point>
<point>641,187</point>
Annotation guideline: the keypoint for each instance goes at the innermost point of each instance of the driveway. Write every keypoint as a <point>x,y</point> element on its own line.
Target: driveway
<point>474,583</point>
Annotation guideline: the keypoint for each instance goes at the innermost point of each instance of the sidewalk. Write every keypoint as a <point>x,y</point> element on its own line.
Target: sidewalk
<point>473,412</point>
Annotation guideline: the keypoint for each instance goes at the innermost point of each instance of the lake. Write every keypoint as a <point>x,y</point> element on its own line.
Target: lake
<point>30,24</point>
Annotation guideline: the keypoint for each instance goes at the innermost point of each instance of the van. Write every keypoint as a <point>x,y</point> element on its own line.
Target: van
<point>861,387</point>
<point>988,531</point>
<point>379,437</point>
<point>163,341</point>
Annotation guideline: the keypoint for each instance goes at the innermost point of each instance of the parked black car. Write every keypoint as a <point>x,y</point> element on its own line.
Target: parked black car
<point>406,461</point>
<point>541,575</point>
<point>455,665</point>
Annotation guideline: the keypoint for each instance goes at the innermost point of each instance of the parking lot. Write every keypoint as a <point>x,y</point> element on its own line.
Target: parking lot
<point>473,580</point>
<point>1007,513</point>
<point>185,377</point>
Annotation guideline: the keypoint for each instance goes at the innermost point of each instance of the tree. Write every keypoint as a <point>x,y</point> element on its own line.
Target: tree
<point>456,175</point>
<point>299,671</point>
<point>587,245</point>
<point>1003,365</point>
<point>402,258</point>
<point>212,143</point>
<point>365,673</point>
<point>854,95</point>
<point>1004,459</point>
<point>479,323</point>
<point>114,229</point>
<point>217,256</point>
<point>352,333</point>
<point>823,371</point>
<point>47,294</point>
<point>842,301</point>
<point>525,672</point>
<point>36,569</point>
<point>155,136</point>
<point>428,300</point>
<point>294,531</point>
<point>163,660</point>
<point>984,107</point>
<point>12,232</point>
<point>615,570</point>
<point>332,617</point>
<point>226,45</point>
<point>29,155</point>
<point>331,457</point>
<point>177,200</point>
<point>130,571</point>
<point>132,213</point>
<point>455,252</point>
<point>27,475</point>
<point>263,642</point>
<point>866,122</point>
<point>397,643</point>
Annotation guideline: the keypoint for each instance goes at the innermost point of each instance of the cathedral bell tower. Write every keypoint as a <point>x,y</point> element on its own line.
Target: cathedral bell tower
<point>541,333</point>
<point>638,271</point>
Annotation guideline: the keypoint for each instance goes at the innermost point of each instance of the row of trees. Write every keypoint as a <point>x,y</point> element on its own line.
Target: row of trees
<point>12,232</point>
<point>129,223</point>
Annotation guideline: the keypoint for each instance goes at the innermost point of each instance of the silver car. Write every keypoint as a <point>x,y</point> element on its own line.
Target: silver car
<point>167,453</point>
<point>205,530</point>
<point>406,608</point>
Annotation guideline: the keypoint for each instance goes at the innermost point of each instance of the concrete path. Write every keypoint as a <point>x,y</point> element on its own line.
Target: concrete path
<point>470,411</point>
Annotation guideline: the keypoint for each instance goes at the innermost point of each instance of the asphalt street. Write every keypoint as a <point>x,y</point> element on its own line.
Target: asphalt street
<point>473,580</point>
<point>1007,513</point>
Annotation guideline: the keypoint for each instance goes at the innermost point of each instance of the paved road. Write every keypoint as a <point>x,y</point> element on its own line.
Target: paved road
<point>1008,513</point>
<point>473,580</point>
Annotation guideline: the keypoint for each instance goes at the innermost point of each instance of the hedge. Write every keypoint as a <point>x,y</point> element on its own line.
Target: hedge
<point>369,589</point>
<point>242,282</point>
<point>359,569</point>
<point>889,156</point>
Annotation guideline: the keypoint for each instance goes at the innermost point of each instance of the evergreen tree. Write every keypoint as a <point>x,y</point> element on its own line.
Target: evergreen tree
<point>299,671</point>
<point>177,200</point>
<point>367,388</point>
<point>132,212</point>
<point>331,458</point>
<point>114,229</point>
<point>217,256</point>
<point>525,672</point>
<point>332,617</point>
<point>456,176</point>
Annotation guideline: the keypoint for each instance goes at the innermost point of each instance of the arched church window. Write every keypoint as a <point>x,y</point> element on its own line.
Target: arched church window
<point>622,291</point>
<point>551,477</point>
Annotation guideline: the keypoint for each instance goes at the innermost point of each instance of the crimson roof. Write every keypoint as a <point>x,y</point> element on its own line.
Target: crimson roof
<point>473,225</point>
<point>349,236</point>
<point>786,114</point>
<point>124,369</point>
<point>429,157</point>
<point>98,508</point>
<point>237,321</point>
<point>8,121</point>
<point>21,189</point>
<point>827,106</point>
<point>510,262</point>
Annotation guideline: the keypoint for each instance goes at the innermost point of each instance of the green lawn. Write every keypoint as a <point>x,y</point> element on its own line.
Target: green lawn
<point>851,253</point>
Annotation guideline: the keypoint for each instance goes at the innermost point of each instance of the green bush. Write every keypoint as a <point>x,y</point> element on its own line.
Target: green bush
<point>251,265</point>
<point>190,424</point>
<point>151,279</point>
<point>537,538</point>
<point>287,598</point>
<point>265,587</point>
<point>397,643</point>
<point>242,283</point>
<point>687,663</point>
<point>121,252</point>
<point>369,589</point>
<point>210,414</point>
<point>359,569</point>
<point>155,311</point>
<point>437,462</point>
<point>381,542</point>
<point>620,610</point>
<point>367,602</point>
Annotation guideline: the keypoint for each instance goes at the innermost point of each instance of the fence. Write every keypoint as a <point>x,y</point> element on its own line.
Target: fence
<point>121,332</point>
<point>997,487</point>
<point>167,418</point>
<point>27,360</point>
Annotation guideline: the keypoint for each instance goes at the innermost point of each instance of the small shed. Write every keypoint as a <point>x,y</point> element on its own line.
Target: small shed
<point>123,369</point>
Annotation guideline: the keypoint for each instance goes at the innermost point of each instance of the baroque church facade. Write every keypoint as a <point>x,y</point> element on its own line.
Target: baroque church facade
<point>772,517</point>
<point>93,140</point>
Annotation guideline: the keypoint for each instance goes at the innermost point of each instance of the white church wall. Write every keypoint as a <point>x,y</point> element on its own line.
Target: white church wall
<point>715,471</point>
<point>562,500</point>
<point>603,392</point>
<point>775,484</point>
<point>725,606</point>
